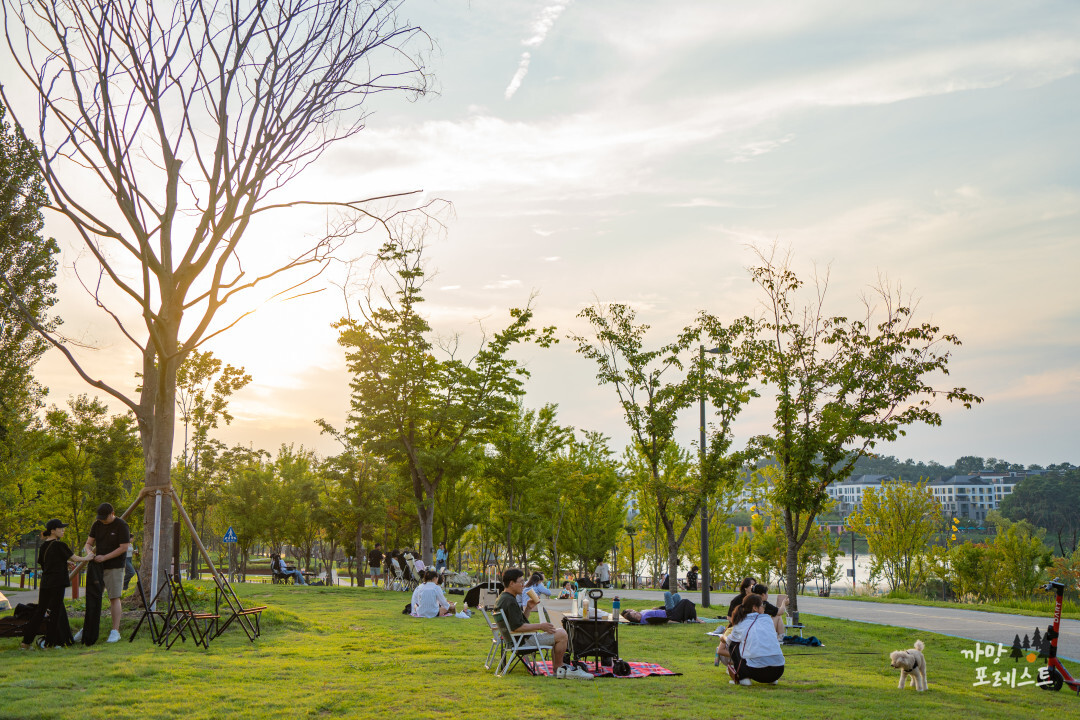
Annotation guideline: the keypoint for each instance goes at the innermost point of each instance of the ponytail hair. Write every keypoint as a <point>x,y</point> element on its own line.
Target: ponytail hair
<point>752,603</point>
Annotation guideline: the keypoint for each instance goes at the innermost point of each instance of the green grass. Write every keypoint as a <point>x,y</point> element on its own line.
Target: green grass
<point>1032,608</point>
<point>349,653</point>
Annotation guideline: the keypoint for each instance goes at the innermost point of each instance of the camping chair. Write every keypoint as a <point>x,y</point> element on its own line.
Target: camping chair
<point>399,581</point>
<point>518,645</point>
<point>246,618</point>
<point>181,616</point>
<point>151,616</point>
<point>497,644</point>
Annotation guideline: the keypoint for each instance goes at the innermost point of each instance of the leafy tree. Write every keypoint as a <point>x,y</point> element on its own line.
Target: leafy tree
<point>1020,556</point>
<point>355,485</point>
<point>27,266</point>
<point>421,412</point>
<point>899,520</point>
<point>968,464</point>
<point>1051,501</point>
<point>192,118</point>
<point>843,385</point>
<point>591,501</point>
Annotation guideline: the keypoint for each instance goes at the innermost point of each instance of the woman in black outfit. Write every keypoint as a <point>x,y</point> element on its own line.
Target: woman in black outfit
<point>53,557</point>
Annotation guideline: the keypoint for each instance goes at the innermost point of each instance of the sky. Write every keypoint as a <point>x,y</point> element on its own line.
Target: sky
<point>637,152</point>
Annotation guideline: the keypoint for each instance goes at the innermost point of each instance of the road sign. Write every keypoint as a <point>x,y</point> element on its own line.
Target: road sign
<point>230,536</point>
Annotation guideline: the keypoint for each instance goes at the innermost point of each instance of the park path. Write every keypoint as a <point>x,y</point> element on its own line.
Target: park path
<point>970,624</point>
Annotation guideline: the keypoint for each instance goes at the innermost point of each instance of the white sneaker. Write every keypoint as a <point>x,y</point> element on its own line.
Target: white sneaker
<point>746,681</point>
<point>569,671</point>
<point>114,636</point>
<point>78,636</point>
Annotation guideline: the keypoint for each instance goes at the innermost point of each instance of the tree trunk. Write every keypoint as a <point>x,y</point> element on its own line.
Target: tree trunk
<point>425,511</point>
<point>791,572</point>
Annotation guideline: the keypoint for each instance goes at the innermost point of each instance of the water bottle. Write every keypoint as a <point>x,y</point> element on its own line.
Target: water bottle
<point>615,609</point>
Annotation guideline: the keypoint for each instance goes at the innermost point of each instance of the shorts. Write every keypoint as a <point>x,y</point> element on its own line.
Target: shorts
<point>546,640</point>
<point>376,571</point>
<point>114,582</point>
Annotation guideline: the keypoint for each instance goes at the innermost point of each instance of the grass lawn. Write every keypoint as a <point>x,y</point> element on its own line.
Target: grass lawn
<point>1043,608</point>
<point>348,652</point>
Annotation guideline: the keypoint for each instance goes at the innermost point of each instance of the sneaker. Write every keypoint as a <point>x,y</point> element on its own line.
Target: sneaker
<point>746,681</point>
<point>114,636</point>
<point>573,672</point>
<point>78,636</point>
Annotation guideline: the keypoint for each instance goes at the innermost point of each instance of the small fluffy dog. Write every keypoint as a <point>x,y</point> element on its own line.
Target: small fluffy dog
<point>910,663</point>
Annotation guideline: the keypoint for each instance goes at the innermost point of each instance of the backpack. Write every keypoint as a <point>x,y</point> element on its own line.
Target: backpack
<point>407,610</point>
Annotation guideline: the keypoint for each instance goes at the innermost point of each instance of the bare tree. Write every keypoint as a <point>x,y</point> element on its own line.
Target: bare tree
<point>192,118</point>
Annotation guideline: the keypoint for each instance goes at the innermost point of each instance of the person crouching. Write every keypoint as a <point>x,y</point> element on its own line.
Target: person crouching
<point>757,656</point>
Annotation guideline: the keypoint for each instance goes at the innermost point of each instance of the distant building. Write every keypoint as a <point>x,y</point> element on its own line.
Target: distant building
<point>848,494</point>
<point>961,496</point>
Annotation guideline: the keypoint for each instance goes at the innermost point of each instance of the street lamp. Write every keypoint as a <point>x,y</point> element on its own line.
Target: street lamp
<point>706,580</point>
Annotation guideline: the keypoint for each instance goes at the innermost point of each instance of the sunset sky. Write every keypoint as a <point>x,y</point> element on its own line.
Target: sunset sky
<point>635,152</point>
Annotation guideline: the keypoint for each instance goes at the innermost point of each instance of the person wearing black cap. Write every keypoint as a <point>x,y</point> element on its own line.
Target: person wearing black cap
<point>109,539</point>
<point>54,557</point>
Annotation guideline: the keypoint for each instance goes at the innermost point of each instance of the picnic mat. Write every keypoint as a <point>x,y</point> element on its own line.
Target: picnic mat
<point>637,670</point>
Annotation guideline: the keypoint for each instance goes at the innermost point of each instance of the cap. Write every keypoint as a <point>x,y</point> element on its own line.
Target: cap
<point>104,510</point>
<point>54,524</point>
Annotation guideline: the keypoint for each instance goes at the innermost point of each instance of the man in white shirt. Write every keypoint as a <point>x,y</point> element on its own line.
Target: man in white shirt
<point>429,601</point>
<point>603,574</point>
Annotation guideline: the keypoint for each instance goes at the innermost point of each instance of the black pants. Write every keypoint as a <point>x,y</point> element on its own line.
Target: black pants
<point>768,674</point>
<point>683,611</point>
<point>57,631</point>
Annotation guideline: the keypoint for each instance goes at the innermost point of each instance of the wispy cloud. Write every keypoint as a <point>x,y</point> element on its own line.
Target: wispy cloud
<point>503,284</point>
<point>542,23</point>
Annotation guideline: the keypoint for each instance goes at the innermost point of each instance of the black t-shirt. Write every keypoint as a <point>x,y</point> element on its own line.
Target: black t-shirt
<point>735,602</point>
<point>375,558</point>
<point>108,538</point>
<point>770,609</point>
<point>52,557</point>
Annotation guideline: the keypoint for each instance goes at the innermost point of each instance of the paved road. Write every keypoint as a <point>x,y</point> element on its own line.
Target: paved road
<point>971,624</point>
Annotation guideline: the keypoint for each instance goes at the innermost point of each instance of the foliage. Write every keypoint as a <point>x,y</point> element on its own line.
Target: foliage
<point>1050,501</point>
<point>843,385</point>
<point>898,521</point>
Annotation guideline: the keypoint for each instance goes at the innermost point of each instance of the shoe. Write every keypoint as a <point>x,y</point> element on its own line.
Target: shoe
<point>114,636</point>
<point>24,646</point>
<point>746,681</point>
<point>78,636</point>
<point>568,671</point>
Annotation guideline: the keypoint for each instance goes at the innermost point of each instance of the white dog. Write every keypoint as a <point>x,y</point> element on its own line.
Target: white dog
<point>911,662</point>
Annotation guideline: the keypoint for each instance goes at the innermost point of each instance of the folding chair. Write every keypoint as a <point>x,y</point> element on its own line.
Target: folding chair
<point>246,618</point>
<point>151,616</point>
<point>518,645</point>
<point>399,581</point>
<point>497,644</point>
<point>182,615</point>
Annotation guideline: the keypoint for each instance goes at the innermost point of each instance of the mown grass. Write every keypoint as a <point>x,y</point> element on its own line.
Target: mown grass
<point>349,653</point>
<point>1031,608</point>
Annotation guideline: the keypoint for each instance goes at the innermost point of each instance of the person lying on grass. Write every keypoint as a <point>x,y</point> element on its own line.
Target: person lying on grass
<point>429,601</point>
<point>755,650</point>
<point>550,636</point>
<point>684,611</point>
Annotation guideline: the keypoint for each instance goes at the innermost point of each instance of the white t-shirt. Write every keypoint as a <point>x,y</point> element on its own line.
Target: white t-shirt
<point>603,572</point>
<point>427,599</point>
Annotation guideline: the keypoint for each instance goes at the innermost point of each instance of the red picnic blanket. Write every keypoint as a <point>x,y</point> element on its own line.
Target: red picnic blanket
<point>637,670</point>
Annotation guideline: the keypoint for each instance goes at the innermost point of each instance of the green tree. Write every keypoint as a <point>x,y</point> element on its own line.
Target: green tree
<point>411,407</point>
<point>899,521</point>
<point>193,118</point>
<point>27,267</point>
<point>355,485</point>
<point>1021,556</point>
<point>1051,501</point>
<point>842,385</point>
<point>968,464</point>
<point>591,503</point>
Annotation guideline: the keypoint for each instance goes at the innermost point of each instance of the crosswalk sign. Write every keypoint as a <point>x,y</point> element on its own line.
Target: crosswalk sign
<point>230,536</point>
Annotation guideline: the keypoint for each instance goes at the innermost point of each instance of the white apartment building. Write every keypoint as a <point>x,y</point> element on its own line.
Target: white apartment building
<point>962,496</point>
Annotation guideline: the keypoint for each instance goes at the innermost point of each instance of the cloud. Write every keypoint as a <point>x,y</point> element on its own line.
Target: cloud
<point>541,25</point>
<point>553,258</point>
<point>503,284</point>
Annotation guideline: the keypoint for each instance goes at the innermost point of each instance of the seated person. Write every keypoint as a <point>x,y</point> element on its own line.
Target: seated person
<point>277,566</point>
<point>428,600</point>
<point>507,604</point>
<point>776,612</point>
<point>684,611</point>
<point>756,653</point>
<point>567,591</point>
<point>536,584</point>
<point>744,588</point>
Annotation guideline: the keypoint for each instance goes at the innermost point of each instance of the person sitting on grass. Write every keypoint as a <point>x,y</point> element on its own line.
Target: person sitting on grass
<point>429,601</point>
<point>744,589</point>
<point>756,654</point>
<point>776,612</point>
<point>550,636</point>
<point>277,566</point>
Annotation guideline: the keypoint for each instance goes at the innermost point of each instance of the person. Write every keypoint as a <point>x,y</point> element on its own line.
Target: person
<point>507,603</point>
<point>428,600</point>
<point>691,578</point>
<point>440,557</point>
<point>536,584</point>
<point>375,558</point>
<point>55,559</point>
<point>776,612</point>
<point>744,588</point>
<point>759,656</point>
<point>666,584</point>
<point>109,540</point>
<point>684,611</point>
<point>388,567</point>
<point>603,574</point>
<point>567,591</point>
<point>277,565</point>
<point>129,566</point>
<point>418,562</point>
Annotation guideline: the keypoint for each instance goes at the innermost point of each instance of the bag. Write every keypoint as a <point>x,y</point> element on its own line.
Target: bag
<point>620,667</point>
<point>407,610</point>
